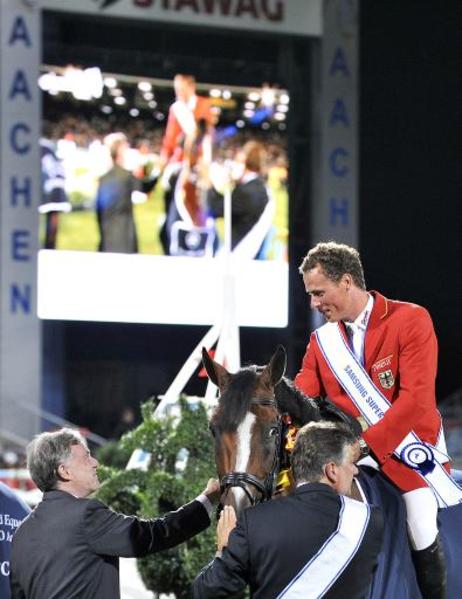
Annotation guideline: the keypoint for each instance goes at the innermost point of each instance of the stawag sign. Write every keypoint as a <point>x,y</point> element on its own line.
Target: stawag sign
<point>299,17</point>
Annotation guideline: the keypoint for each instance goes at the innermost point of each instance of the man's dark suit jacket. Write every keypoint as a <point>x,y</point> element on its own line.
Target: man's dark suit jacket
<point>69,548</point>
<point>115,210</point>
<point>273,541</point>
<point>248,200</point>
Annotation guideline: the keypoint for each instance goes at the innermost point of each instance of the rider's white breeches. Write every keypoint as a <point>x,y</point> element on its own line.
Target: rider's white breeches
<point>422,511</point>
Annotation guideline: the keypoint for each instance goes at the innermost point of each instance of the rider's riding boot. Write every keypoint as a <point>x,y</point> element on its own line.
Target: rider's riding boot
<point>431,570</point>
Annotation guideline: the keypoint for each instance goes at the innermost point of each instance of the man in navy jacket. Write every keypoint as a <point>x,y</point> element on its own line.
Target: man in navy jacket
<point>315,542</point>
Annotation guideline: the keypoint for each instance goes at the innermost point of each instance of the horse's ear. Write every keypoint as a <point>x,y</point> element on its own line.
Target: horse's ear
<point>216,372</point>
<point>276,367</point>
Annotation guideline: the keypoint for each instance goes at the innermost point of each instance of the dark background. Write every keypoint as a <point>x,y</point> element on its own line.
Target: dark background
<point>410,175</point>
<point>410,190</point>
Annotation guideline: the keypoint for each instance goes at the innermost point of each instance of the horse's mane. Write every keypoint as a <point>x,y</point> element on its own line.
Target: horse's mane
<point>302,409</point>
<point>234,402</point>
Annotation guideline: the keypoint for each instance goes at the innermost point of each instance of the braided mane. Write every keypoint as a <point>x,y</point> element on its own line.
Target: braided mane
<point>303,409</point>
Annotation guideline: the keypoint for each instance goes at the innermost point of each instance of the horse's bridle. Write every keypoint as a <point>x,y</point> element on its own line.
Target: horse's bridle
<point>241,479</point>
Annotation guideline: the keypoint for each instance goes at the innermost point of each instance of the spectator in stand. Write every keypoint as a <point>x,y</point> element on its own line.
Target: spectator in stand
<point>54,197</point>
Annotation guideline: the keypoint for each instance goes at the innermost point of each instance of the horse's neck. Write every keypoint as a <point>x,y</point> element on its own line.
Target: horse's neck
<point>301,408</point>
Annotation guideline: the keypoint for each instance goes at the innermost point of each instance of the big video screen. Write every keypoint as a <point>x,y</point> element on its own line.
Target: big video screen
<point>163,201</point>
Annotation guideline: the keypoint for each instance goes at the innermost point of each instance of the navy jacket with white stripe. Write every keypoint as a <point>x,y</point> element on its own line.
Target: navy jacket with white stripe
<point>273,541</point>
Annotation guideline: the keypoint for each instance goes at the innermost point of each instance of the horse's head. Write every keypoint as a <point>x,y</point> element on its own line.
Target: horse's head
<point>246,426</point>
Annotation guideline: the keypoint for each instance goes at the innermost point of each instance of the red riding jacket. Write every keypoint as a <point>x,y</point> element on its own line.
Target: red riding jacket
<point>400,354</point>
<point>174,131</point>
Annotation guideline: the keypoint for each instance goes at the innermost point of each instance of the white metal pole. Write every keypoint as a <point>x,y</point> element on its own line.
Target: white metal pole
<point>188,368</point>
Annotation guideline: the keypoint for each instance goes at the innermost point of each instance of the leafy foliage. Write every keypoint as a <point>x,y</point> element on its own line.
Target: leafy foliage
<point>181,463</point>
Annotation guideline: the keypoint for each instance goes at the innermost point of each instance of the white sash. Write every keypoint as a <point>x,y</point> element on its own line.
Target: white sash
<point>323,569</point>
<point>424,458</point>
<point>185,117</point>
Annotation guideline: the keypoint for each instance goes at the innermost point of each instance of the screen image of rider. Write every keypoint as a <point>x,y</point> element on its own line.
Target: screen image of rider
<point>182,164</point>
<point>174,170</point>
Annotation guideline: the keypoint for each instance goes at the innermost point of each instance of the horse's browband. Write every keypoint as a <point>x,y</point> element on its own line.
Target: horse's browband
<point>263,402</point>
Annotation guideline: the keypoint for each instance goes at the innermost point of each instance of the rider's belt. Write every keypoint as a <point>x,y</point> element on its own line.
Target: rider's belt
<point>424,458</point>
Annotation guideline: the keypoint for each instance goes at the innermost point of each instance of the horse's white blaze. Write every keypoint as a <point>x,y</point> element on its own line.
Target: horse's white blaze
<point>244,438</point>
<point>243,442</point>
<point>240,498</point>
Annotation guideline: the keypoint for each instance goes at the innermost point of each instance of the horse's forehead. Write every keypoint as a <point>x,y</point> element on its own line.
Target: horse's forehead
<point>249,384</point>
<point>262,414</point>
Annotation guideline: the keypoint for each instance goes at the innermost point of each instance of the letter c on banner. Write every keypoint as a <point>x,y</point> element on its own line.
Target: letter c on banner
<point>15,142</point>
<point>337,169</point>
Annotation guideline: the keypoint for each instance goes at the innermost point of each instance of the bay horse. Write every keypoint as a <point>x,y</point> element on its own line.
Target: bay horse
<point>248,430</point>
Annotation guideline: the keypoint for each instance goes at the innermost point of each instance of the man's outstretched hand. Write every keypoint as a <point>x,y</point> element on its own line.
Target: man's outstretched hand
<point>212,491</point>
<point>225,525</point>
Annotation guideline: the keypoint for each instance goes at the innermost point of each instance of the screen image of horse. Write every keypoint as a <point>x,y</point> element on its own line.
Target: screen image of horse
<point>248,426</point>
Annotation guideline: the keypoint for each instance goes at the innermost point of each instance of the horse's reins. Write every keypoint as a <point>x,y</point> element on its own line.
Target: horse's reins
<point>241,479</point>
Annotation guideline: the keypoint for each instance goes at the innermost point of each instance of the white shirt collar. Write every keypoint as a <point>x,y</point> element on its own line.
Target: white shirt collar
<point>361,321</point>
<point>248,176</point>
<point>191,103</point>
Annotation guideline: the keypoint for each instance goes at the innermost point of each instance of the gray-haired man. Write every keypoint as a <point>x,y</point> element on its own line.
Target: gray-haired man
<point>314,542</point>
<point>69,545</point>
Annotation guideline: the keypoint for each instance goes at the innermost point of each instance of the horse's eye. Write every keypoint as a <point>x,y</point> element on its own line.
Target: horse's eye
<point>273,431</point>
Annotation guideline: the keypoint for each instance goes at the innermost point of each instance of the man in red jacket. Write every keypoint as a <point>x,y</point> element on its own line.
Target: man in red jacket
<point>184,116</point>
<point>187,139</point>
<point>377,359</point>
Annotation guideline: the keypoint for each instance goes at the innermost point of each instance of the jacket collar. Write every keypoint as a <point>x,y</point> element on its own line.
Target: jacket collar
<point>362,320</point>
<point>380,308</point>
<point>379,313</point>
<point>314,487</point>
<point>57,494</point>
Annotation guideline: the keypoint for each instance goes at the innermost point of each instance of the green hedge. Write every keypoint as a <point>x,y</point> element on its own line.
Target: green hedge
<point>164,487</point>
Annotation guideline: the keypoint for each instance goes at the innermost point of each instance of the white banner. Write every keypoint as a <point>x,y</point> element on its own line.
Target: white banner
<point>299,17</point>
<point>20,344</point>
<point>335,211</point>
<point>159,289</point>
